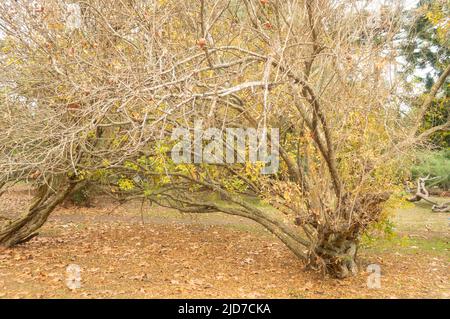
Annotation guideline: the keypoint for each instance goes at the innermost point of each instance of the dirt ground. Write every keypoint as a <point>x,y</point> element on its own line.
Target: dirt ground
<point>164,254</point>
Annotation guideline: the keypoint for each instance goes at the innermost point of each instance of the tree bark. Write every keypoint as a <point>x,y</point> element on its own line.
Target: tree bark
<point>335,254</point>
<point>24,228</point>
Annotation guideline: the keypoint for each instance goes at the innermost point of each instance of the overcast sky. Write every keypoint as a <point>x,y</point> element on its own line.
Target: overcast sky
<point>411,4</point>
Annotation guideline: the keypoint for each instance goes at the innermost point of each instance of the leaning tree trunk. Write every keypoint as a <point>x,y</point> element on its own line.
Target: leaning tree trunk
<point>47,198</point>
<point>332,252</point>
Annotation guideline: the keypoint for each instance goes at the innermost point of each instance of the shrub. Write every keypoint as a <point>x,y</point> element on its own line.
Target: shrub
<point>433,163</point>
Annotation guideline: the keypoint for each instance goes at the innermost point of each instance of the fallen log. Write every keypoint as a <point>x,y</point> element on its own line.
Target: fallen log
<point>422,193</point>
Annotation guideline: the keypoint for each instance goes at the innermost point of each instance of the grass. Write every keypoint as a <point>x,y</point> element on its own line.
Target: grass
<point>416,228</point>
<point>405,244</point>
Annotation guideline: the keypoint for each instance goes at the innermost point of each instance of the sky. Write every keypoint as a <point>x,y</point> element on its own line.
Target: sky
<point>409,4</point>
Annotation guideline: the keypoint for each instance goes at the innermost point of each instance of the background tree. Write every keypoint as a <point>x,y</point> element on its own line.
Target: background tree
<point>427,53</point>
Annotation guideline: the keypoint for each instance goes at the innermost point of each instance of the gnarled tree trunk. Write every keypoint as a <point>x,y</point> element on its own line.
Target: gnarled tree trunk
<point>336,254</point>
<point>47,198</point>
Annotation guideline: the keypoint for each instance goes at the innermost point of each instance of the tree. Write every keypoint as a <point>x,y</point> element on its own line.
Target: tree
<point>427,53</point>
<point>100,103</point>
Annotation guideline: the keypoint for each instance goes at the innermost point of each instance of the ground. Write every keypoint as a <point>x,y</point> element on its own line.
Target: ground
<point>159,253</point>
